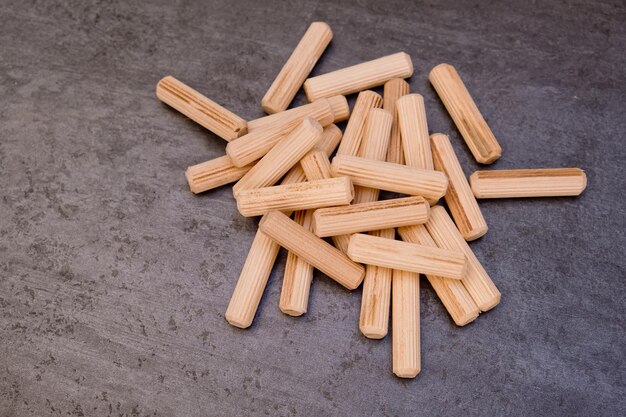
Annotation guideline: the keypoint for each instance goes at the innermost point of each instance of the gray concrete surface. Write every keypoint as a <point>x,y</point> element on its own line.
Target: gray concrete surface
<point>114,278</point>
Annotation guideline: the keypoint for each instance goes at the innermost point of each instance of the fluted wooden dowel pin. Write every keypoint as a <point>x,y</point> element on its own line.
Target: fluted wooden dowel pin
<point>374,145</point>
<point>201,109</point>
<point>513,183</point>
<point>258,265</point>
<point>353,134</point>
<point>359,77</point>
<point>365,217</point>
<point>256,144</point>
<point>393,90</point>
<point>373,250</point>
<point>297,68</point>
<point>214,173</point>
<point>405,317</point>
<point>431,185</point>
<point>451,292</point>
<point>468,119</point>
<point>414,131</point>
<point>301,196</point>
<point>312,249</point>
<point>478,283</point>
<point>284,155</point>
<point>376,296</point>
<point>459,197</point>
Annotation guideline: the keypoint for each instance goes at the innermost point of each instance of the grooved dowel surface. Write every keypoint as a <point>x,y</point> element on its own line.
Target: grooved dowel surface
<point>300,196</point>
<point>372,216</point>
<point>359,77</point>
<point>281,157</point>
<point>376,296</point>
<point>373,250</point>
<point>405,317</point>
<point>414,131</point>
<point>451,292</point>
<point>297,68</point>
<point>459,197</point>
<point>256,144</point>
<point>316,165</point>
<point>201,109</point>
<point>431,185</point>
<point>478,283</point>
<point>547,182</point>
<point>312,249</point>
<point>466,116</point>
<point>214,173</point>
<point>393,90</point>
<point>353,134</point>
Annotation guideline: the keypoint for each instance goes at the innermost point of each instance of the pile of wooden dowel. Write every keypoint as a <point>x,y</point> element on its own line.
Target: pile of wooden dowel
<point>281,167</point>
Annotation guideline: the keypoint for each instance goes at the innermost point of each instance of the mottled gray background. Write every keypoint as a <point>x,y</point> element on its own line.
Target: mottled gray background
<point>114,278</point>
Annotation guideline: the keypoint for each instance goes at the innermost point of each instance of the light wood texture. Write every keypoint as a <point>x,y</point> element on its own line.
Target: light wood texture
<point>512,183</point>
<point>478,283</point>
<point>367,217</point>
<point>393,90</point>
<point>214,173</point>
<point>300,196</point>
<point>281,157</point>
<point>376,297</point>
<point>466,116</point>
<point>365,101</point>
<point>373,250</point>
<point>294,294</point>
<point>359,77</point>
<point>338,105</point>
<point>201,109</point>
<point>398,178</point>
<point>451,292</point>
<point>405,317</point>
<point>414,132</point>
<point>297,68</point>
<point>312,249</point>
<point>256,144</point>
<point>459,197</point>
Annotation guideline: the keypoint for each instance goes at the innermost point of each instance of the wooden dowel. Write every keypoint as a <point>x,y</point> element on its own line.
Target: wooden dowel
<point>367,217</point>
<point>512,183</point>
<point>312,249</point>
<point>376,297</point>
<point>214,173</point>
<point>294,294</point>
<point>353,135</point>
<point>281,157</point>
<point>476,280</point>
<point>201,109</point>
<point>297,68</point>
<point>466,116</point>
<point>338,105</point>
<point>262,255</point>
<point>372,250</point>
<point>301,196</point>
<point>398,178</point>
<point>359,77</point>
<point>394,89</point>
<point>256,144</point>
<point>451,292</point>
<point>405,317</point>
<point>461,202</point>
<point>414,131</point>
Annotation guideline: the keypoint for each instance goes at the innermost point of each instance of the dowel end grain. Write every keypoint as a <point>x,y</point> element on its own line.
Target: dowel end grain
<point>340,108</point>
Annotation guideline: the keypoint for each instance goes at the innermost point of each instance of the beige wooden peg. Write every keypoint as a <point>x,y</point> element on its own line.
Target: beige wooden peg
<point>512,183</point>
<point>214,173</point>
<point>365,101</point>
<point>201,109</point>
<point>359,77</point>
<point>459,197</point>
<point>297,68</point>
<point>466,116</point>
<point>405,318</point>
<point>414,131</point>
<point>394,89</point>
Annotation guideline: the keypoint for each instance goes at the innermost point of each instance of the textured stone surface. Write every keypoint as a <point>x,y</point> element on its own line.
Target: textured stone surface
<point>114,278</point>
